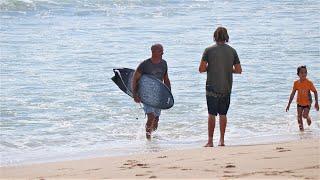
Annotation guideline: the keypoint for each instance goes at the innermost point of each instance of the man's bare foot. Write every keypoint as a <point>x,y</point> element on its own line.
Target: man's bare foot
<point>208,145</point>
<point>221,143</point>
<point>148,135</point>
<point>308,120</point>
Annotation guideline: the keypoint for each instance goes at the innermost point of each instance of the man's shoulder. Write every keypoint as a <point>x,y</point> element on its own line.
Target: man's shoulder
<point>227,46</point>
<point>145,61</point>
<point>142,65</point>
<point>164,61</point>
<point>211,47</point>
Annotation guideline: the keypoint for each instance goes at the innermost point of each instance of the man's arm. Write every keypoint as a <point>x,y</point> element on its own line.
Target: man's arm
<point>237,69</point>
<point>135,79</point>
<point>203,66</point>
<point>166,80</point>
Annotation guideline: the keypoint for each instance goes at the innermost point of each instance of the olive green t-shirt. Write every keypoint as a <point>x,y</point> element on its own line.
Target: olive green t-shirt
<point>220,59</point>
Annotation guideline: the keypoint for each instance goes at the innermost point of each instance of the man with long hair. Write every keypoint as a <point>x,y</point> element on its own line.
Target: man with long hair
<point>220,61</point>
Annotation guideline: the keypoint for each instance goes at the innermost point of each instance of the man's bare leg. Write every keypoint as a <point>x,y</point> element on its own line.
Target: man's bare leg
<point>211,126</point>
<point>149,125</point>
<point>155,123</point>
<point>223,125</point>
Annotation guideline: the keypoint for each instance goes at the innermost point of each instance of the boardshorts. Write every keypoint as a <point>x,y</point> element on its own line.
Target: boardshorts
<point>148,109</point>
<point>217,103</point>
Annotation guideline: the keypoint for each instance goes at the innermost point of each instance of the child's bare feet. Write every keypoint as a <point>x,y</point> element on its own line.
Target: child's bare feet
<point>208,145</point>
<point>301,127</point>
<point>308,120</point>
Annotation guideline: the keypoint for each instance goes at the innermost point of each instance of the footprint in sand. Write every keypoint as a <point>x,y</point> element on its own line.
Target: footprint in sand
<point>239,154</point>
<point>143,165</point>
<point>209,170</point>
<point>96,169</point>
<point>228,176</point>
<point>228,172</point>
<point>285,150</point>
<point>173,167</point>
<point>230,166</point>
<point>270,157</point>
<point>141,174</point>
<point>133,163</point>
<point>281,149</point>
<point>162,157</point>
<point>151,177</point>
<point>186,169</point>
<point>61,169</point>
<point>210,159</point>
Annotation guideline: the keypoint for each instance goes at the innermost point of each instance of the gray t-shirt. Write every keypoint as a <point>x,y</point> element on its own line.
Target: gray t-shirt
<point>220,59</point>
<point>158,70</point>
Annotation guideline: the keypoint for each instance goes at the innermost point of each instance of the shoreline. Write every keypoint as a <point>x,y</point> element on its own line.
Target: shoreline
<point>144,148</point>
<point>293,159</point>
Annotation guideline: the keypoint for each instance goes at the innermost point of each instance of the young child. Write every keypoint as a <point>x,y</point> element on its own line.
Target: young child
<point>303,86</point>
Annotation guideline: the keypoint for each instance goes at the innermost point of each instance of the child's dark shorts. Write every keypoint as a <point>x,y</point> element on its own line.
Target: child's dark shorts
<point>303,107</point>
<point>217,103</point>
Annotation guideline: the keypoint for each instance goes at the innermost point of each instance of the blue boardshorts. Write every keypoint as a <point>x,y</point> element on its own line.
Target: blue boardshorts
<point>148,109</point>
<point>217,103</point>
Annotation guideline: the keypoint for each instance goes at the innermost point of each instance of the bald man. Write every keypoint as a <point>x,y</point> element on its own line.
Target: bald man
<point>157,67</point>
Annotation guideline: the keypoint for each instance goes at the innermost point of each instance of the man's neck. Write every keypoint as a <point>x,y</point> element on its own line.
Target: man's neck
<point>155,60</point>
<point>220,42</point>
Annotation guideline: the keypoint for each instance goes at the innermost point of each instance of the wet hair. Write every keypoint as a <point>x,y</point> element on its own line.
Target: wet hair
<point>155,46</point>
<point>301,67</point>
<point>221,34</point>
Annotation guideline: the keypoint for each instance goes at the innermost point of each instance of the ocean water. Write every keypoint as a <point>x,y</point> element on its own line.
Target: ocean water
<point>58,101</point>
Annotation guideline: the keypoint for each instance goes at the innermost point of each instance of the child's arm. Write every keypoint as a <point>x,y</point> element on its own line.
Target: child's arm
<point>314,90</point>
<point>316,105</point>
<point>291,98</point>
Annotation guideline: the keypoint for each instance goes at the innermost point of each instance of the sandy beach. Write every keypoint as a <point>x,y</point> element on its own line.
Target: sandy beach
<point>295,160</point>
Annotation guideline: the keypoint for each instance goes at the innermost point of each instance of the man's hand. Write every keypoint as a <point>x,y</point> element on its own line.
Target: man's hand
<point>136,99</point>
<point>136,77</point>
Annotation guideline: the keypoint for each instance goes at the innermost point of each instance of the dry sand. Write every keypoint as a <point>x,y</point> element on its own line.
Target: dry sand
<point>290,160</point>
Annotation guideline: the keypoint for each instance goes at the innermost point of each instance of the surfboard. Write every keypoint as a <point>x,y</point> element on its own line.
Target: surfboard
<point>151,90</point>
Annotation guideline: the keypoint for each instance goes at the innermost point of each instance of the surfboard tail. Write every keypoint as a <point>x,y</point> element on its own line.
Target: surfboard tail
<point>118,80</point>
